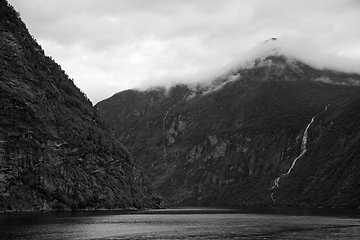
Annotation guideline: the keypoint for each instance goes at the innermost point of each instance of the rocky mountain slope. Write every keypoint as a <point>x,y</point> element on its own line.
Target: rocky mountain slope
<point>55,151</point>
<point>277,132</point>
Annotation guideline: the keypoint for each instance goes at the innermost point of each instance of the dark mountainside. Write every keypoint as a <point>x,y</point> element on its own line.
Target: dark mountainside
<point>55,151</point>
<point>234,142</point>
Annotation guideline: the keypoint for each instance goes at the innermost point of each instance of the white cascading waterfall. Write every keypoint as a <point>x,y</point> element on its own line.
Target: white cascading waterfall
<point>302,152</point>
<point>303,146</point>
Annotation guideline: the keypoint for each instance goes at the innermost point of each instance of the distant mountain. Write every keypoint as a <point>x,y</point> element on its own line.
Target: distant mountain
<point>55,151</point>
<point>274,132</point>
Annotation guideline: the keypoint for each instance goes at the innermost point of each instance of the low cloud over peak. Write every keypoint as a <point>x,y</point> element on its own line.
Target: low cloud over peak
<point>299,48</point>
<point>108,46</point>
<point>293,47</point>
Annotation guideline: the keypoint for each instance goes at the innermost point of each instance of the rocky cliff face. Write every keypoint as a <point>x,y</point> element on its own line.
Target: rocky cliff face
<point>55,151</point>
<point>240,140</point>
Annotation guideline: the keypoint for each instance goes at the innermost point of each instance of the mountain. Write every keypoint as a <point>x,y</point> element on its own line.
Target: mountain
<point>275,131</point>
<point>55,151</point>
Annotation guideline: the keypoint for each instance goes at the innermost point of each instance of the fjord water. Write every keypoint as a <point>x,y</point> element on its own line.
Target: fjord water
<point>190,223</point>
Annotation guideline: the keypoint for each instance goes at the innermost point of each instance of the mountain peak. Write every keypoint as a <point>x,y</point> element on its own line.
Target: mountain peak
<point>270,39</point>
<point>227,143</point>
<point>300,49</point>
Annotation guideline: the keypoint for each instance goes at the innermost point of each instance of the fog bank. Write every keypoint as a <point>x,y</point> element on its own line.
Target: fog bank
<point>292,47</point>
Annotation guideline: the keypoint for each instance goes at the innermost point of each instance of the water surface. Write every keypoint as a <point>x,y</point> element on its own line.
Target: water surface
<point>184,223</point>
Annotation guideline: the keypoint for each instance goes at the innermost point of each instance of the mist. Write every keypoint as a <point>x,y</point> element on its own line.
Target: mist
<point>110,46</point>
<point>293,47</point>
<point>302,49</point>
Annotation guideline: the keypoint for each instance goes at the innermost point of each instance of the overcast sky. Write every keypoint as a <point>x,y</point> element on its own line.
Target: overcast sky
<point>108,46</point>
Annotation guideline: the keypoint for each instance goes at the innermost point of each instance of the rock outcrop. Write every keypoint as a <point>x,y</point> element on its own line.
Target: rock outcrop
<point>226,143</point>
<point>55,151</point>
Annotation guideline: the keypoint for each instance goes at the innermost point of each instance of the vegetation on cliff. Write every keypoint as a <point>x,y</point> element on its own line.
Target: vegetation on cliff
<point>55,151</point>
<point>227,143</point>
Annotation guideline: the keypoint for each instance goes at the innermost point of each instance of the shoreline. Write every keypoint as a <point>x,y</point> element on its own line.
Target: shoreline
<point>182,210</point>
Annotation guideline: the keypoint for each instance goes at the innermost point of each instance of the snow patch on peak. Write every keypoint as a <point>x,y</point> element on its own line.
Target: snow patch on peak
<point>219,83</point>
<point>346,82</point>
<point>205,88</point>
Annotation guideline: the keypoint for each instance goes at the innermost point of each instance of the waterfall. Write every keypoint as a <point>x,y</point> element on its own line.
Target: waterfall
<point>302,152</point>
<point>303,146</point>
<point>276,184</point>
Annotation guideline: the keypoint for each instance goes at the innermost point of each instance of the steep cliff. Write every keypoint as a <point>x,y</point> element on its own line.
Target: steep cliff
<point>55,151</point>
<point>241,139</point>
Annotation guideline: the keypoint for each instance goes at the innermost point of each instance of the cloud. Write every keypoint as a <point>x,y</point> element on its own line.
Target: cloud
<point>113,45</point>
<point>299,48</point>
